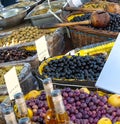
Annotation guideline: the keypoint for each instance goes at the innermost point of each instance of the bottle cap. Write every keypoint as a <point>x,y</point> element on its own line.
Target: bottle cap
<point>47,81</point>
<point>18,95</point>
<point>7,110</point>
<point>25,120</point>
<point>48,86</point>
<point>56,93</point>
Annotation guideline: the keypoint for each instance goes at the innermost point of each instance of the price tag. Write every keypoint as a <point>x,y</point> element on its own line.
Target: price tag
<point>42,49</point>
<point>77,3</point>
<point>12,83</point>
<point>109,78</point>
<point>74,3</point>
<point>72,52</point>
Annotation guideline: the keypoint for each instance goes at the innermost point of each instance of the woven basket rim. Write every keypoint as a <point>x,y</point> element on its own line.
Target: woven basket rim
<point>89,29</point>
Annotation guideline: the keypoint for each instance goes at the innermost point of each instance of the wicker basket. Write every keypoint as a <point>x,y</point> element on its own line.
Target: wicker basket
<point>84,35</point>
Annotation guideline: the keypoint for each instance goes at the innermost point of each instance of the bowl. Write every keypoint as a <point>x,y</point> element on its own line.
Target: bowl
<point>12,17</point>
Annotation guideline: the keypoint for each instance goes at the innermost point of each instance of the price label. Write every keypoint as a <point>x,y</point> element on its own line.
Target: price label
<point>109,78</point>
<point>72,52</point>
<point>42,49</point>
<point>74,3</point>
<point>12,83</point>
<point>77,3</point>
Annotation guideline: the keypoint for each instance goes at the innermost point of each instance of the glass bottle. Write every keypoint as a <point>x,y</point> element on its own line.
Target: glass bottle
<point>9,115</point>
<point>61,114</point>
<point>50,115</point>
<point>21,105</point>
<point>25,120</point>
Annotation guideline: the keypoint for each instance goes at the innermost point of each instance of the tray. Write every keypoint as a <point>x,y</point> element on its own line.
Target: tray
<point>104,47</point>
<point>96,47</point>
<point>45,17</point>
<point>33,60</point>
<point>63,83</point>
<point>26,79</point>
<point>12,16</point>
<point>83,82</point>
<point>15,37</point>
<point>54,37</point>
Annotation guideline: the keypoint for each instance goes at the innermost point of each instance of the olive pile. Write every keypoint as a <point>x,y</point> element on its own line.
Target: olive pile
<point>76,67</point>
<point>3,70</point>
<point>98,4</point>
<point>23,35</point>
<point>114,24</point>
<point>15,54</point>
<point>81,107</point>
<point>81,18</point>
<point>39,107</point>
<point>44,11</point>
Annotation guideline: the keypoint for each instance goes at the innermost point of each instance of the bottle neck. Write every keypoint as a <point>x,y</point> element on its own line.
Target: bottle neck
<point>48,90</point>
<point>50,102</point>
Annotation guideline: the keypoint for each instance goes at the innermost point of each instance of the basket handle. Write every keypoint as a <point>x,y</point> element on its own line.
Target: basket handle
<point>81,9</point>
<point>65,24</point>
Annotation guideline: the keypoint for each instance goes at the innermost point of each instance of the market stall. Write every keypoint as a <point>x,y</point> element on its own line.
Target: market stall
<point>50,45</point>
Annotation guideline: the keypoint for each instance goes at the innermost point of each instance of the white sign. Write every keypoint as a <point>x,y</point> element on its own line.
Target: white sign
<point>42,49</point>
<point>77,3</point>
<point>12,83</point>
<point>74,3</point>
<point>109,78</point>
<point>72,52</point>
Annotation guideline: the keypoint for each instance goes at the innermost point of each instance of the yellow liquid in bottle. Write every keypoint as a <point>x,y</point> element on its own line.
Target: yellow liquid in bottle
<point>63,118</point>
<point>18,115</point>
<point>50,117</point>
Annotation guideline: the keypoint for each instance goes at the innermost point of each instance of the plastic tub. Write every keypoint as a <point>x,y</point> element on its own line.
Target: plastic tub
<point>45,17</point>
<point>27,80</point>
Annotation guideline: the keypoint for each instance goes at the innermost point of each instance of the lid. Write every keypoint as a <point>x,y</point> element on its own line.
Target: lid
<point>47,81</point>
<point>56,93</point>
<point>7,110</point>
<point>18,95</point>
<point>25,120</point>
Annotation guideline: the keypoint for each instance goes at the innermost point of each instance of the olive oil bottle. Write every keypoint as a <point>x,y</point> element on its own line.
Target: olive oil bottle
<point>50,117</point>
<point>21,105</point>
<point>9,115</point>
<point>61,114</point>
